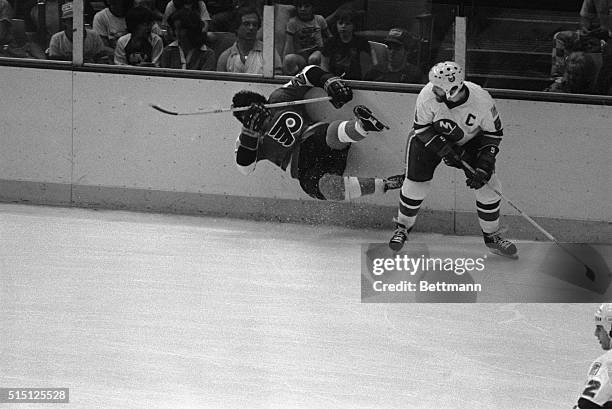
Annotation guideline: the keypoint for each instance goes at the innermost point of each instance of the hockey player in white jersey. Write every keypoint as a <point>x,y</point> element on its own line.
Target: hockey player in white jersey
<point>455,120</point>
<point>597,392</point>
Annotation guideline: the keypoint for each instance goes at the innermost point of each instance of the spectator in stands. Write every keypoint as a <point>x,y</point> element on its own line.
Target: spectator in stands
<point>139,46</point>
<point>188,51</point>
<point>604,83</point>
<point>306,33</point>
<point>196,5</point>
<point>293,64</point>
<point>6,14</point>
<point>579,76</point>
<point>223,16</point>
<point>594,31</point>
<point>398,68</point>
<point>109,23</point>
<point>342,53</point>
<point>60,46</point>
<point>52,17</point>
<point>13,40</point>
<point>332,8</point>
<point>246,54</point>
<point>157,15</point>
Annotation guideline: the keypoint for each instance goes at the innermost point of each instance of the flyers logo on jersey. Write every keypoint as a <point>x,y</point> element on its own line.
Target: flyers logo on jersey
<point>286,128</point>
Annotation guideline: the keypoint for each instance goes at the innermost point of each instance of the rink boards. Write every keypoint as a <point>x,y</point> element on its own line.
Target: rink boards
<point>91,139</point>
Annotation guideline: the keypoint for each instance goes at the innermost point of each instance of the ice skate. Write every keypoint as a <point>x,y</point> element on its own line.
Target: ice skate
<point>399,237</point>
<point>499,245</point>
<point>394,182</point>
<point>367,119</point>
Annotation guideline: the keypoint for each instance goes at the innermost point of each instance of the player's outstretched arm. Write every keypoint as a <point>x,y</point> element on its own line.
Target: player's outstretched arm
<point>315,76</point>
<point>248,140</point>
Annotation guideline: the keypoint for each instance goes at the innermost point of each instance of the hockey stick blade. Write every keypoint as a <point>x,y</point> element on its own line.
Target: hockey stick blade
<point>160,109</point>
<point>590,274</point>
<point>220,110</point>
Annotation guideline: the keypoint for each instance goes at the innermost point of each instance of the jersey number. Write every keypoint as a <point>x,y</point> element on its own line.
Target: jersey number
<point>591,388</point>
<point>286,127</point>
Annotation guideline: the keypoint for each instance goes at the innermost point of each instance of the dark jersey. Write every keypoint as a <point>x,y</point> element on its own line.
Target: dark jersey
<point>283,132</point>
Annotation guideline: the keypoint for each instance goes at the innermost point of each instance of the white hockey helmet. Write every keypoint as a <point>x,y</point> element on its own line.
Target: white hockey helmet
<point>447,75</point>
<point>603,317</point>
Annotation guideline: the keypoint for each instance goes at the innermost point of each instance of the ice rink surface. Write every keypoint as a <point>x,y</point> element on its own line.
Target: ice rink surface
<point>133,310</point>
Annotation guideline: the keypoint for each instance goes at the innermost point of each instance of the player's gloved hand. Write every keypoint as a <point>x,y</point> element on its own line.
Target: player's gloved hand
<point>449,129</point>
<point>255,117</point>
<point>339,91</point>
<point>443,148</point>
<point>453,159</point>
<point>484,168</point>
<point>478,179</point>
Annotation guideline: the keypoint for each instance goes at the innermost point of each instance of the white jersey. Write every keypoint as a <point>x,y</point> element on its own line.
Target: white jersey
<point>474,115</point>
<point>598,386</point>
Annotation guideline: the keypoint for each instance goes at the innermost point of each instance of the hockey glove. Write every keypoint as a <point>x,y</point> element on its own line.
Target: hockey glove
<point>440,146</point>
<point>255,117</point>
<point>484,168</point>
<point>339,92</point>
<point>454,161</point>
<point>449,129</point>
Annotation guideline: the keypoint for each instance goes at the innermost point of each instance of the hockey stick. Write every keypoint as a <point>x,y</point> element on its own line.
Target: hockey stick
<point>220,110</point>
<point>589,272</point>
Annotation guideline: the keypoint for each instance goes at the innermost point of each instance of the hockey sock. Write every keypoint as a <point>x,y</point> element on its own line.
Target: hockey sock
<point>487,206</point>
<point>411,198</point>
<point>488,216</point>
<point>355,187</point>
<point>351,131</point>
<point>335,187</point>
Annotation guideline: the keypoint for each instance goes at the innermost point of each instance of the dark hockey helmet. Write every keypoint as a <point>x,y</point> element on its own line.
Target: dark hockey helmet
<point>246,98</point>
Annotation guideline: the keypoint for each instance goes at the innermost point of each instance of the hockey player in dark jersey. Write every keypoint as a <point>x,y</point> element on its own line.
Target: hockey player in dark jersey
<point>315,152</point>
<point>455,121</point>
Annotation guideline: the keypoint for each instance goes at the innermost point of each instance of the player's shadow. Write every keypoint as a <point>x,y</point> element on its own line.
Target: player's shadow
<point>587,269</point>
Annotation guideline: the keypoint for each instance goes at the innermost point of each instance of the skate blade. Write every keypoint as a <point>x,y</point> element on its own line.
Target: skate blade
<point>395,246</point>
<point>499,253</point>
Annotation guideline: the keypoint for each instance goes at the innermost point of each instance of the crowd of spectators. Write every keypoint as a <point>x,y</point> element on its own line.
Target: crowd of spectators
<point>582,59</point>
<point>180,34</point>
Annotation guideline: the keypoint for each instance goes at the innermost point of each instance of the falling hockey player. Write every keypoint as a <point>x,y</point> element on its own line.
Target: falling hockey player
<point>316,153</point>
<point>455,121</point>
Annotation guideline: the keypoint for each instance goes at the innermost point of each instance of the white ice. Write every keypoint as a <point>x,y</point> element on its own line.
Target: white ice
<point>133,310</point>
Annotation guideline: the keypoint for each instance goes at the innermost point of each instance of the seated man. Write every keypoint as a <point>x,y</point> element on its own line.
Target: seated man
<point>246,55</point>
<point>60,46</point>
<point>139,46</point>
<point>6,14</point>
<point>13,40</point>
<point>594,31</point>
<point>110,24</point>
<point>315,153</point>
<point>398,68</point>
